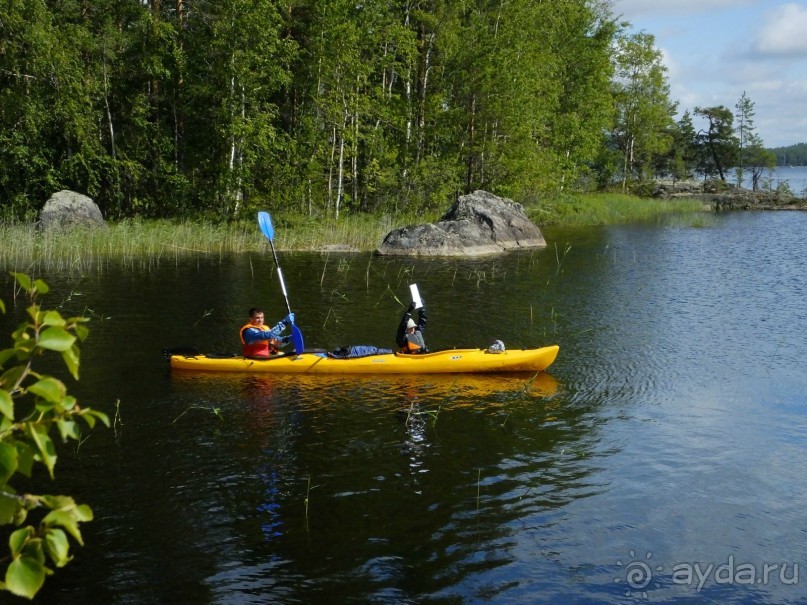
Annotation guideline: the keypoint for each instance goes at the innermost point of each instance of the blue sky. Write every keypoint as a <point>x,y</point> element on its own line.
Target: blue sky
<point>716,49</point>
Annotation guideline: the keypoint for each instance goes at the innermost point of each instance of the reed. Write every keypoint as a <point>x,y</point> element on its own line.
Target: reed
<point>143,244</point>
<point>610,209</point>
<point>135,243</point>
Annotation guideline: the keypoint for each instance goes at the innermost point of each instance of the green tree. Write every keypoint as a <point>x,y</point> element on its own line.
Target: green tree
<point>792,155</point>
<point>757,159</point>
<point>644,122</point>
<point>33,406</point>
<point>682,159</point>
<point>582,107</point>
<point>744,128</point>
<point>718,143</point>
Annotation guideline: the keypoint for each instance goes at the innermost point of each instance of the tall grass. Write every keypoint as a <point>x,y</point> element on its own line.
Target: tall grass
<point>611,209</point>
<point>130,242</point>
<point>142,244</point>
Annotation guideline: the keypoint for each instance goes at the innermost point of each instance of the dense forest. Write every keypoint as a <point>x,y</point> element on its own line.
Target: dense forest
<point>792,155</point>
<point>214,108</point>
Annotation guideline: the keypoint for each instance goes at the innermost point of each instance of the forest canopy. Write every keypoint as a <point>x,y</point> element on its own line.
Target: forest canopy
<point>216,108</point>
<point>792,155</point>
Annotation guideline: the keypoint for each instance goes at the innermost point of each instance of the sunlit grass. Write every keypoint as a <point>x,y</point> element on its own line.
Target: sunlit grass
<point>610,209</point>
<point>131,243</point>
<point>143,244</point>
<point>359,232</point>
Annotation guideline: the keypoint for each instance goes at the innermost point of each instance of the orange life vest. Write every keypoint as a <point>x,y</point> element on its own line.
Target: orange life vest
<point>414,343</point>
<point>259,348</point>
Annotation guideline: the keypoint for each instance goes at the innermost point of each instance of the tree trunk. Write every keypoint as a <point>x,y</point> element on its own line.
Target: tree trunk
<point>340,178</point>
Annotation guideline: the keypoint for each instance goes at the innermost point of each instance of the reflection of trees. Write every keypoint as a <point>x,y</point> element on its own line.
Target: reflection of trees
<point>423,482</point>
<point>420,484</point>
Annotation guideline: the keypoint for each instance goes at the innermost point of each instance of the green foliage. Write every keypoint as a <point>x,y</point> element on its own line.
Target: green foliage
<point>719,143</point>
<point>643,126</point>
<point>792,155</point>
<point>609,209</point>
<point>35,408</point>
<point>218,108</point>
<point>756,159</point>
<point>164,110</point>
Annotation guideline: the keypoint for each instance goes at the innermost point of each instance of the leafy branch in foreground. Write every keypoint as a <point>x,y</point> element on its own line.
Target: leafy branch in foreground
<point>31,406</point>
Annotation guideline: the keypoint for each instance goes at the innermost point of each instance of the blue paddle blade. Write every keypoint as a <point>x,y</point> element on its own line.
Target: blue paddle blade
<point>265,222</point>
<point>297,339</point>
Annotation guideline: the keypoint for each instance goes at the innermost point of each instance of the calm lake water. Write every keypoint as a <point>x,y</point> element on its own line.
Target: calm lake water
<point>794,176</point>
<point>660,459</point>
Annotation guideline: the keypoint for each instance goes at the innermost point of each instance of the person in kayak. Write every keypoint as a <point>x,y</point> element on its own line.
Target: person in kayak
<point>410,334</point>
<point>259,341</point>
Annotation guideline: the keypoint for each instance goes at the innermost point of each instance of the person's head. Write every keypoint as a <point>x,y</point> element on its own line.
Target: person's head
<point>410,325</point>
<point>256,316</point>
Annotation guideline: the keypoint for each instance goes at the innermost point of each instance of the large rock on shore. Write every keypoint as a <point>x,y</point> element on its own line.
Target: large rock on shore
<point>478,224</point>
<point>69,209</point>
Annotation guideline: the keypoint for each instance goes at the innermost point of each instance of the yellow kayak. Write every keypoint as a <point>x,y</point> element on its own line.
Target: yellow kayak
<point>440,362</point>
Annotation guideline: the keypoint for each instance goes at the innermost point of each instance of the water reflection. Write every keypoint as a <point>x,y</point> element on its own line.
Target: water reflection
<point>671,424</point>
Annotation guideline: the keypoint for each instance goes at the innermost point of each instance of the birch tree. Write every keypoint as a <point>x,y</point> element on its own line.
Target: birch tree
<point>644,111</point>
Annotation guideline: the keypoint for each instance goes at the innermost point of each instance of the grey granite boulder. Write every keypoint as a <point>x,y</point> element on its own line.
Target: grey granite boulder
<point>68,209</point>
<point>477,224</point>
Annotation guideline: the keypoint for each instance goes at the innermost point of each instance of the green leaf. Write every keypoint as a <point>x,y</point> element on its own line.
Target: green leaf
<point>81,331</point>
<point>49,388</point>
<point>66,520</point>
<point>8,508</point>
<point>58,502</point>
<point>5,355</point>
<point>23,280</point>
<point>41,287</point>
<point>68,429</point>
<point>6,404</point>
<point>91,415</point>
<point>35,549</point>
<point>11,377</point>
<point>18,539</point>
<point>58,547</point>
<point>2,306</point>
<point>56,339</point>
<point>35,314</point>
<point>25,458</point>
<point>24,347</point>
<point>71,360</point>
<point>25,577</point>
<point>67,404</point>
<point>84,513</point>
<point>9,461</point>
<point>44,447</point>
<point>53,318</point>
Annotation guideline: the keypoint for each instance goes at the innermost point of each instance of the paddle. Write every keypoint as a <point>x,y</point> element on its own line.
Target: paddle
<point>265,222</point>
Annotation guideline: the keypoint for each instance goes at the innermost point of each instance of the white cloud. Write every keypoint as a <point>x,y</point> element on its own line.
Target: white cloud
<point>783,33</point>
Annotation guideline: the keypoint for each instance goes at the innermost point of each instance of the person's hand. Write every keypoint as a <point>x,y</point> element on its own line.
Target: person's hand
<point>289,319</point>
<point>411,307</point>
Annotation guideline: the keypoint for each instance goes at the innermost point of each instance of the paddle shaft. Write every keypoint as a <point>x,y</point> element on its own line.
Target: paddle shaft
<point>265,222</point>
<point>280,275</point>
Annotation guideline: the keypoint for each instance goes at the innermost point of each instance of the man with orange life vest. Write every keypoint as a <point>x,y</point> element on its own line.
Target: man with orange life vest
<point>409,336</point>
<point>258,340</point>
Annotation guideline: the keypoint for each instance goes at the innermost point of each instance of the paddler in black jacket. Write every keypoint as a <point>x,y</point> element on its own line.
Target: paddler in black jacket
<point>410,336</point>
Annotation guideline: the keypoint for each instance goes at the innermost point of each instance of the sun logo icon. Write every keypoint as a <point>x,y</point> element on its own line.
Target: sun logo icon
<point>638,574</point>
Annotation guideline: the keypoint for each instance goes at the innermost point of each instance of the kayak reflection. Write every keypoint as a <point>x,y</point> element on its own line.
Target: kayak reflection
<point>455,387</point>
